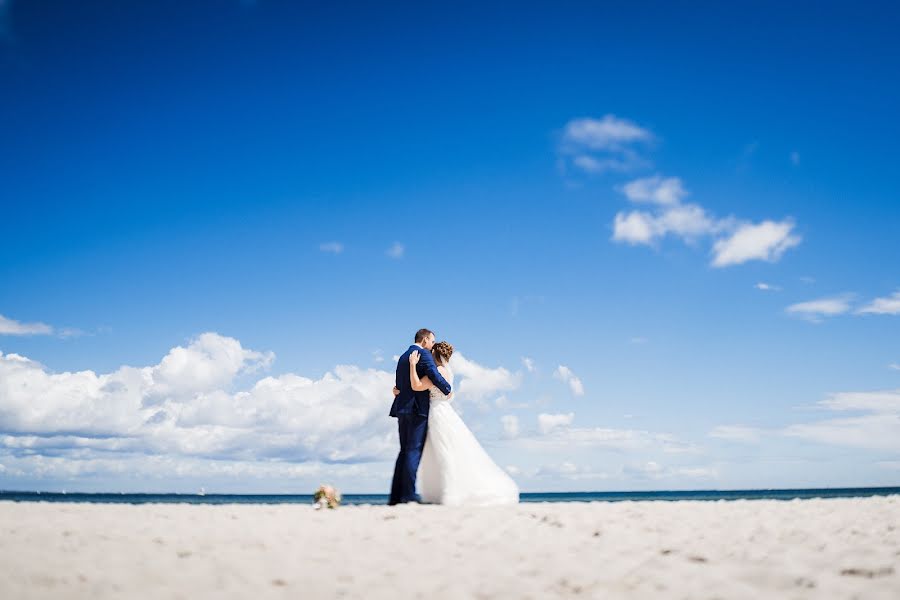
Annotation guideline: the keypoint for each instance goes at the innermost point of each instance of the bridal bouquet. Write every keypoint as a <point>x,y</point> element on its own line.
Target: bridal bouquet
<point>326,497</point>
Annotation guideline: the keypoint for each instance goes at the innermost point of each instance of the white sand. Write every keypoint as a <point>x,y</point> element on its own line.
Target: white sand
<point>842,548</point>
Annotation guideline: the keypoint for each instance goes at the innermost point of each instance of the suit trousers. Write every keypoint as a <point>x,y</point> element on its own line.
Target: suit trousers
<point>412,429</point>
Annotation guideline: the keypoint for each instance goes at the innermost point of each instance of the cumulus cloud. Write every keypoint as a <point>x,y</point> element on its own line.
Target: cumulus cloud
<point>183,406</point>
<point>209,362</point>
<point>600,145</point>
<point>477,381</point>
<point>687,221</point>
<point>816,310</point>
<point>882,306</point>
<point>565,374</point>
<point>13,327</point>
<point>766,241</point>
<point>636,227</point>
<point>655,190</point>
<point>736,241</point>
<point>184,416</point>
<point>528,363</point>
<point>331,247</point>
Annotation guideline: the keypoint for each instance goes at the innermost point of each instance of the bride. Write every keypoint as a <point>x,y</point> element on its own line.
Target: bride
<point>455,469</point>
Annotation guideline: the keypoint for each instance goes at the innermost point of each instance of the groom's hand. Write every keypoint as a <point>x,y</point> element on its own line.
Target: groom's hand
<point>396,391</point>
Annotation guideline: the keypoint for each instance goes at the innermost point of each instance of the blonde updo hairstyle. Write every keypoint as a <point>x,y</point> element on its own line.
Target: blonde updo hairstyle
<point>442,351</point>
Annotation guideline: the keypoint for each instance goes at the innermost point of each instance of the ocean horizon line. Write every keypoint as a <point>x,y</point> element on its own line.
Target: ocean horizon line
<point>203,497</point>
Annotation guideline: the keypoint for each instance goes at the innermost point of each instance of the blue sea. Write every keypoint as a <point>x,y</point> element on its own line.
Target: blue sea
<point>350,499</point>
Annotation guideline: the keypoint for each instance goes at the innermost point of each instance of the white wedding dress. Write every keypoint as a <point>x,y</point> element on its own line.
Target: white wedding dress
<point>455,469</point>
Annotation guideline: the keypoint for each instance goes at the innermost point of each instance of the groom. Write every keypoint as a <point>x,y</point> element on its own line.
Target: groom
<point>411,410</point>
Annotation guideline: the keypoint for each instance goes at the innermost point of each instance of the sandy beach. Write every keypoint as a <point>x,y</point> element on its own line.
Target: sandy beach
<point>836,548</point>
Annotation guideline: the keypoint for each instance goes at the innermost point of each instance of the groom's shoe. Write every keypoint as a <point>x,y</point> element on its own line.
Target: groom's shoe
<point>415,500</point>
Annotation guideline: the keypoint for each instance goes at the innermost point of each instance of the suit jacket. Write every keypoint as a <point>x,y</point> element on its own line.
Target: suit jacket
<point>410,402</point>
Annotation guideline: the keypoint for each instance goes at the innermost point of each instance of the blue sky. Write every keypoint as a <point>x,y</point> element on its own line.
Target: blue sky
<point>685,221</point>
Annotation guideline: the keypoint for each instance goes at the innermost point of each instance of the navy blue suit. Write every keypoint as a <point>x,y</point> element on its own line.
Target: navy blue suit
<point>411,409</point>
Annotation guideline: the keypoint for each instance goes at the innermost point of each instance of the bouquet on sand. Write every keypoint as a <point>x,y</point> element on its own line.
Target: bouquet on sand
<point>326,497</point>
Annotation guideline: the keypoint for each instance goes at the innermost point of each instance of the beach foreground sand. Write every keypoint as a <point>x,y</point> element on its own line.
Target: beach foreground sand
<point>838,548</point>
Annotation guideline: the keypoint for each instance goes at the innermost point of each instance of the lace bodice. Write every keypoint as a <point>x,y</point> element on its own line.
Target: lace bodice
<point>437,395</point>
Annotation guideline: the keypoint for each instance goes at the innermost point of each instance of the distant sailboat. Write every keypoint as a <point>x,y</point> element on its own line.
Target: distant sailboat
<point>202,492</point>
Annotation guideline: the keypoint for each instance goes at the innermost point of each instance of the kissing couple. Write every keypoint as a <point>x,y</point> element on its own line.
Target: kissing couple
<point>436,447</point>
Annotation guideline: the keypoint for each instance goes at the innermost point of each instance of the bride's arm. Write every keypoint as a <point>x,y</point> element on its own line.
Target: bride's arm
<point>419,385</point>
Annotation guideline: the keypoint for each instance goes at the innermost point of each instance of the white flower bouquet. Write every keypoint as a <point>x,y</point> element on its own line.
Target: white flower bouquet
<point>326,497</point>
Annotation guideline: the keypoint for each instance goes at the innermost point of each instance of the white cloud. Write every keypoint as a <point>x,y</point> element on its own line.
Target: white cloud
<point>762,241</point>
<point>548,423</point>
<point>209,362</point>
<point>816,310</point>
<point>600,145</point>
<point>894,366</point>
<point>510,425</point>
<point>556,433</point>
<point>331,247</point>
<point>687,221</point>
<point>742,241</point>
<point>478,381</point>
<point>877,428</point>
<point>657,189</point>
<point>872,432</point>
<point>636,227</point>
<point>767,287</point>
<point>12,327</point>
<point>565,374</point>
<point>882,306</point>
<point>878,402</point>
<point>397,250</point>
<point>736,433</point>
<point>608,133</point>
<point>183,407</point>
<point>528,364</point>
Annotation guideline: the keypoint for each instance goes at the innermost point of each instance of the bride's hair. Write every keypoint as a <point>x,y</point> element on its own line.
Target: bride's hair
<point>442,351</point>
